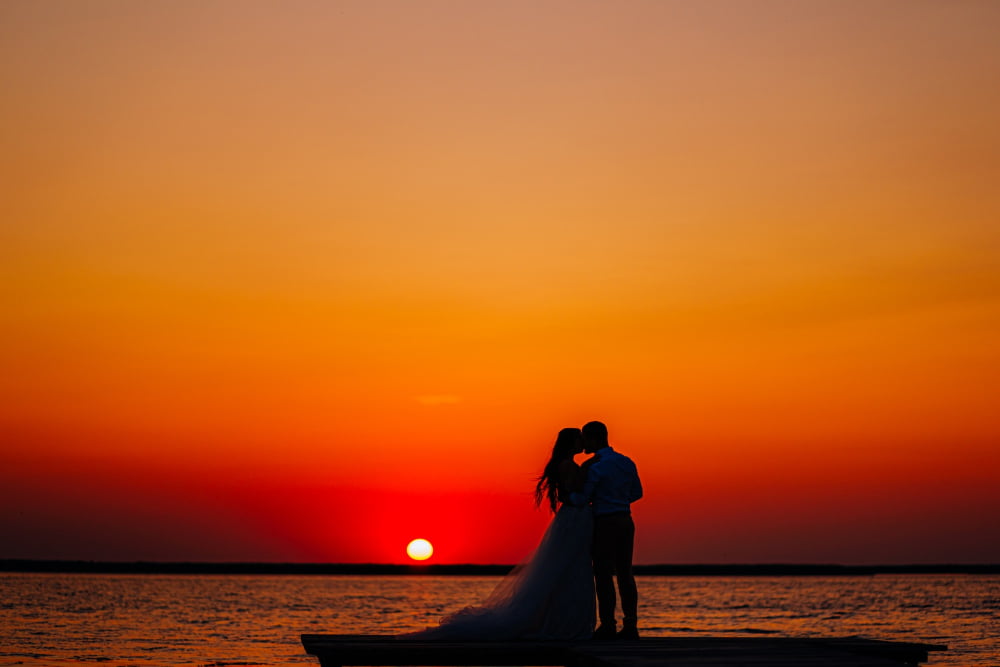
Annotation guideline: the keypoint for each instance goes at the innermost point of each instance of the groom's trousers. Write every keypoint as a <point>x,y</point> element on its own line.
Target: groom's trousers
<point>614,537</point>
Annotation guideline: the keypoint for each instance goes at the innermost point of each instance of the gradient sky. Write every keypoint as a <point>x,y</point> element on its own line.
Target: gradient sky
<point>302,281</point>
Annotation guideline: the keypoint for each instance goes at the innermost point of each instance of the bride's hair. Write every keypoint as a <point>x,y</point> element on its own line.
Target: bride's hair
<point>567,444</point>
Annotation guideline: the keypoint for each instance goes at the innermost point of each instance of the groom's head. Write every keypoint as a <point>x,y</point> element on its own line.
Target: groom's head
<point>595,436</point>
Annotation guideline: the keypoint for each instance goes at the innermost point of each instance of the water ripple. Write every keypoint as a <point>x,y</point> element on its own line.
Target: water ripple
<point>219,621</point>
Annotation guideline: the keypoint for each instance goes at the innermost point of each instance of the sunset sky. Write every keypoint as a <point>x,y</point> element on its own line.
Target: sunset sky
<point>303,281</point>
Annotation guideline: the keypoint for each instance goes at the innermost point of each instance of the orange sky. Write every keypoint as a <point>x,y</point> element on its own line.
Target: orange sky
<point>303,281</point>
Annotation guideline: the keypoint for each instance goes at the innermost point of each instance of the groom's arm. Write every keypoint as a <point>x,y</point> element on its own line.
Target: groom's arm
<point>636,491</point>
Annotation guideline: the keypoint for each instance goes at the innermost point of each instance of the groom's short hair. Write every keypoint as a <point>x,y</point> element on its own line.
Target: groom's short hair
<point>596,432</point>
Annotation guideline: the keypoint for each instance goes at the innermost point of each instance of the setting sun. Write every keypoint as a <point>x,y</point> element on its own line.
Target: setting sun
<point>419,549</point>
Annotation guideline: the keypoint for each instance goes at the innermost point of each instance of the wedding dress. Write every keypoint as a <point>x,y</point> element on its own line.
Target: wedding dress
<point>550,596</point>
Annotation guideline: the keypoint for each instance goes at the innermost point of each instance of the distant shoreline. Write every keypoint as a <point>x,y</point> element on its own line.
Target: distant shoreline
<point>377,569</point>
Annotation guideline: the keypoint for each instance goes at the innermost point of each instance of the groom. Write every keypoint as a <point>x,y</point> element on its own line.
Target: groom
<point>612,485</point>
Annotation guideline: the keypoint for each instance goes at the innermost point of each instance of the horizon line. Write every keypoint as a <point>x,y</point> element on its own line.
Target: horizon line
<point>30,565</point>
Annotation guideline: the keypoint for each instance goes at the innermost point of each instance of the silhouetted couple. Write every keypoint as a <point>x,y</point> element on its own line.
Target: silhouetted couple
<point>588,543</point>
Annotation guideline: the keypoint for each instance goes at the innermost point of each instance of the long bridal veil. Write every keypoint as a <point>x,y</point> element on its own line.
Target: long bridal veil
<point>549,596</point>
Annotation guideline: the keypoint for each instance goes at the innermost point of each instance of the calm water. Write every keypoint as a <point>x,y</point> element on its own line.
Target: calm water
<point>49,620</point>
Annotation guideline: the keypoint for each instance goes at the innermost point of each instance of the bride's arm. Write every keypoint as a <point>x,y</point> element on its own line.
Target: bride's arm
<point>570,479</point>
<point>590,475</point>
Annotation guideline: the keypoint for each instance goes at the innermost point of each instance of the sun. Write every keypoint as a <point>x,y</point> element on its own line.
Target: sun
<point>419,549</point>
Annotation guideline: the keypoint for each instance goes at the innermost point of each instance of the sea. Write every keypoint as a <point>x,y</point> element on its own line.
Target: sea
<point>143,620</point>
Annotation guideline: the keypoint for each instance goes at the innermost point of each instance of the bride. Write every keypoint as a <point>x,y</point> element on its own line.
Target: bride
<point>550,595</point>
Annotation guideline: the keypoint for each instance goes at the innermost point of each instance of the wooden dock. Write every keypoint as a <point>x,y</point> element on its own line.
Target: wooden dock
<point>383,650</point>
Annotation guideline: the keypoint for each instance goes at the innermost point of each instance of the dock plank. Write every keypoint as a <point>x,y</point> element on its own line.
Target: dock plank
<point>388,651</point>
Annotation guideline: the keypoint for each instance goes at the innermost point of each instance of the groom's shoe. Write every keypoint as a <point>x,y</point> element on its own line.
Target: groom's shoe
<point>605,632</point>
<point>629,632</point>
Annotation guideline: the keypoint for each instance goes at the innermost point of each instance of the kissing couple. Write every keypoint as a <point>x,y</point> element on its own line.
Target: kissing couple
<point>588,543</point>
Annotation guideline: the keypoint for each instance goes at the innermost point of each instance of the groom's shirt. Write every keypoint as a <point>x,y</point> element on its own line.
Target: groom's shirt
<point>612,483</point>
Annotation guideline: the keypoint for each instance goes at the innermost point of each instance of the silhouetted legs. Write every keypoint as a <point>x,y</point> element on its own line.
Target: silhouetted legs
<point>614,537</point>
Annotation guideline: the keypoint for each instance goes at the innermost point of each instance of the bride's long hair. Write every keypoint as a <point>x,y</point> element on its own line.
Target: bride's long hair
<point>567,444</point>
